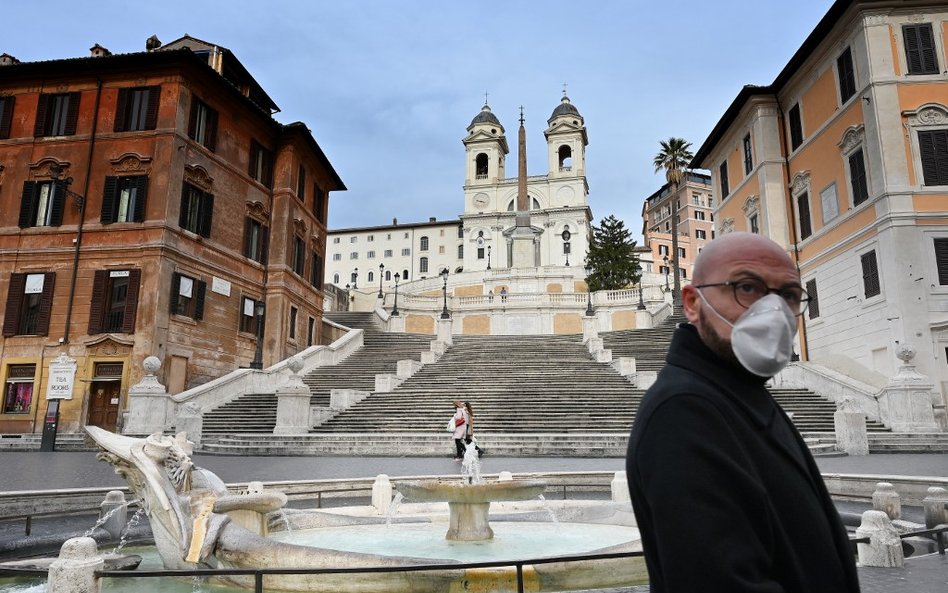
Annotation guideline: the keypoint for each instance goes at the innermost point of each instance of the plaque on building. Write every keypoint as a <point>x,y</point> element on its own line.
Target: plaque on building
<point>220,286</point>
<point>62,376</point>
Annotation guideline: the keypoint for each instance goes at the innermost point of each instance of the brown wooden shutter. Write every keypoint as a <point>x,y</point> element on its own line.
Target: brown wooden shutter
<point>806,228</point>
<point>185,203</point>
<point>121,111</point>
<point>201,288</point>
<point>11,315</point>
<point>72,115</point>
<point>46,304</point>
<point>141,185</point>
<point>100,285</point>
<point>39,127</point>
<point>206,214</point>
<point>211,135</point>
<point>920,53</point>
<point>6,116</point>
<point>796,126</point>
<point>941,260</point>
<point>151,113</point>
<point>247,229</point>
<point>131,301</point>
<point>58,204</point>
<point>857,177</point>
<point>175,287</point>
<point>109,195</point>
<point>933,153</point>
<point>813,307</point>
<point>26,204</point>
<point>192,120</point>
<point>870,274</point>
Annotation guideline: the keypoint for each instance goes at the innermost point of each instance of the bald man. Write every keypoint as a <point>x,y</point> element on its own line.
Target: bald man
<point>727,496</point>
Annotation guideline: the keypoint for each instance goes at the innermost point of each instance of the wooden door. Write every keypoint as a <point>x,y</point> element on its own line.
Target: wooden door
<point>104,404</point>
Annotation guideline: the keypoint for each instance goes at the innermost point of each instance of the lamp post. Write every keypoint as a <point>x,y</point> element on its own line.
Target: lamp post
<point>589,302</point>
<point>641,306</point>
<point>665,259</point>
<point>348,286</point>
<point>444,292</point>
<point>488,257</point>
<point>355,278</point>
<point>257,362</point>
<point>381,269</point>
<point>395,307</point>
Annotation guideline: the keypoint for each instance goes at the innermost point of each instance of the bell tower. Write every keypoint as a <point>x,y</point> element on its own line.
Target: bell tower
<point>485,149</point>
<point>566,141</point>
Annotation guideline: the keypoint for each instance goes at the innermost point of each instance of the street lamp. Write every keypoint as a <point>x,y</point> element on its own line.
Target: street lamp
<point>444,291</point>
<point>641,300</point>
<point>589,302</point>
<point>355,278</point>
<point>381,269</point>
<point>665,259</point>
<point>257,362</point>
<point>488,257</point>
<point>348,286</point>
<point>395,307</point>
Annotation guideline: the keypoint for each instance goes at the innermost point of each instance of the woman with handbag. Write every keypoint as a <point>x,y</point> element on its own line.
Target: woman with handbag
<point>461,421</point>
<point>469,437</point>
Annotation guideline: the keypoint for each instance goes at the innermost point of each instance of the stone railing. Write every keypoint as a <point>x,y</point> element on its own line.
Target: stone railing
<point>830,384</point>
<point>568,300</point>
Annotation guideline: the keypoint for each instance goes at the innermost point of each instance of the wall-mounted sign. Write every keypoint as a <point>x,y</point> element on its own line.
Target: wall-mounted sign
<point>220,286</point>
<point>62,376</point>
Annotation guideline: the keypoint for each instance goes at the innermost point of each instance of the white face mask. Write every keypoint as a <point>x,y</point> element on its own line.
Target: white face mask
<point>762,337</point>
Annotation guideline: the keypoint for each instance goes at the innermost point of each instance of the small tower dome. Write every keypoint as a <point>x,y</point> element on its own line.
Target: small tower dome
<point>564,108</point>
<point>486,116</point>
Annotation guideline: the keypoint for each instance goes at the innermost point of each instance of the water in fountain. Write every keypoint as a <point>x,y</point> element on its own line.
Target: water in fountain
<point>393,508</point>
<point>284,519</point>
<point>546,507</point>
<point>471,465</point>
<point>104,518</point>
<point>128,528</point>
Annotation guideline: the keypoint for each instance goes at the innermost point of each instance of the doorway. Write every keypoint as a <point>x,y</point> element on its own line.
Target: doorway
<point>104,404</point>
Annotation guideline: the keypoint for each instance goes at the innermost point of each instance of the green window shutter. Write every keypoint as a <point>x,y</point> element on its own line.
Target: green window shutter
<point>100,284</point>
<point>121,111</point>
<point>201,289</point>
<point>109,195</point>
<point>11,315</point>
<point>46,304</point>
<point>131,301</point>
<point>27,204</point>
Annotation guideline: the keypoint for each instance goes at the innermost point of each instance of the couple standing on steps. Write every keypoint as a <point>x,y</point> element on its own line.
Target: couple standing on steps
<point>463,420</point>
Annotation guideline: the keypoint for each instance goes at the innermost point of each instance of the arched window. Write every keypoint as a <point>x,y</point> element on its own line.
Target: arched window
<point>534,205</point>
<point>480,166</point>
<point>424,244</point>
<point>371,277</point>
<point>460,251</point>
<point>566,158</point>
<point>405,275</point>
<point>423,265</point>
<point>335,279</point>
<point>388,275</point>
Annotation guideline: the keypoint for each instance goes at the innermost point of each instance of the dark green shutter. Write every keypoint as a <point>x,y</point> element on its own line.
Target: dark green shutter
<point>206,214</point>
<point>46,304</point>
<point>141,187</point>
<point>72,114</point>
<point>121,111</point>
<point>264,244</point>
<point>941,260</point>
<point>151,113</point>
<point>27,204</point>
<point>813,307</point>
<point>857,176</point>
<point>109,195</point>
<point>11,315</point>
<point>211,135</point>
<point>39,127</point>
<point>175,288</point>
<point>806,228</point>
<point>131,301</point>
<point>100,285</point>
<point>58,204</point>
<point>6,115</point>
<point>933,152</point>
<point>870,274</point>
<point>186,197</point>
<point>200,287</point>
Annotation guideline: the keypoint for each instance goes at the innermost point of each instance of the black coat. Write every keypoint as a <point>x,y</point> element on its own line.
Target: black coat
<point>727,495</point>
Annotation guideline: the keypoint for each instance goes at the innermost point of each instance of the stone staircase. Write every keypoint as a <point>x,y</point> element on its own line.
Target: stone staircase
<point>647,346</point>
<point>256,413</point>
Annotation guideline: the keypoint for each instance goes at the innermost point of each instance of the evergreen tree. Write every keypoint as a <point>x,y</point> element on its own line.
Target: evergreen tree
<point>612,257</point>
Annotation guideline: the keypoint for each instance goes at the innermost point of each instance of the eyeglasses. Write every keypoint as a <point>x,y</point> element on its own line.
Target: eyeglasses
<point>750,290</point>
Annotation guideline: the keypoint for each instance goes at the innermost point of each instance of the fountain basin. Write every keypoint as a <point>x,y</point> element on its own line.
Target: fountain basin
<point>469,504</point>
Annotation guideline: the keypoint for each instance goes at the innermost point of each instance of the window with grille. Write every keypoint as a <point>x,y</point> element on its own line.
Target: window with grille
<point>748,155</point>
<point>423,265</point>
<point>870,274</point>
<point>424,244</point>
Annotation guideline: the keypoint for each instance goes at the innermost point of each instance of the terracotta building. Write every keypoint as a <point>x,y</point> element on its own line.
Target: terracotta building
<point>151,205</point>
<point>843,159</point>
<point>694,204</point>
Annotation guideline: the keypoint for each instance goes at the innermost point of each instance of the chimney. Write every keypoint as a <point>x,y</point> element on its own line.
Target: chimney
<point>99,52</point>
<point>394,222</point>
<point>8,60</point>
<point>152,43</point>
<point>432,219</point>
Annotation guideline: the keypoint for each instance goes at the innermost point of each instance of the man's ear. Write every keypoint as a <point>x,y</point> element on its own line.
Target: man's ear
<point>690,302</point>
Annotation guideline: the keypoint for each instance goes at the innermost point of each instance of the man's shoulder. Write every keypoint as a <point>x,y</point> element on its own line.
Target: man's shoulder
<point>677,388</point>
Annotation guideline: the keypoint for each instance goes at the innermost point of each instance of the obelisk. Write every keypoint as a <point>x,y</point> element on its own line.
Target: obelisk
<point>523,249</point>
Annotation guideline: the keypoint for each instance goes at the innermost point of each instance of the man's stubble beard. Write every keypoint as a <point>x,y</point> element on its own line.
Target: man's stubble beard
<point>713,340</point>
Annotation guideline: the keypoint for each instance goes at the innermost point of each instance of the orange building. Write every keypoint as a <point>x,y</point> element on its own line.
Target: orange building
<point>695,207</point>
<point>843,159</point>
<point>151,203</point>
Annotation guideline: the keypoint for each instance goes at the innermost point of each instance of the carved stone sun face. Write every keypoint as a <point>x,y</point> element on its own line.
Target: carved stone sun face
<point>481,200</point>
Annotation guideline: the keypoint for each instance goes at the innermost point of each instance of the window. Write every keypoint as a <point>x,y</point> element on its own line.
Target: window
<point>294,313</point>
<point>114,301</point>
<point>803,206</point>
<point>316,271</point>
<point>29,302</point>
<point>353,277</point>
<point>371,277</point>
<point>667,226</point>
<point>699,215</point>
<point>423,265</point>
<point>319,203</point>
<point>6,116</point>
<point>920,56</point>
<point>754,224</point>
<point>56,115</point>
<point>663,250</point>
<point>197,209</point>
<point>370,238</point>
<point>846,74</point>
<point>299,255</point>
<point>681,253</point>
<point>748,156</point>
<point>424,244</point>
<point>682,273</point>
<point>460,251</point>
<point>725,186</point>
<point>829,203</point>
<point>696,199</point>
<point>710,202</point>
<point>137,109</point>
<point>796,126</point>
<point>388,253</point>
<point>336,257</point>
<point>261,164</point>
<point>870,274</point>
<point>370,255</point>
<point>301,183</point>
<point>335,279</point>
<point>857,177</point>
<point>353,239</point>
<point>202,126</point>
<point>480,166</point>
<point>18,396</point>
<point>405,275</point>
<point>941,260</point>
<point>187,296</point>
<point>354,255</point>
<point>388,275</point>
<point>42,204</point>
<point>700,234</point>
<point>460,232</point>
<point>310,331</point>
<point>480,253</point>
<point>406,236</point>
<point>123,199</point>
<point>406,251</point>
<point>256,240</point>
<point>248,315</point>
<point>933,149</point>
<point>813,306</point>
<point>567,248</point>
<point>335,240</point>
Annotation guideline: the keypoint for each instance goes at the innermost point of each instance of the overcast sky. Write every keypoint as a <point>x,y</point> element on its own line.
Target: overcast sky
<point>389,87</point>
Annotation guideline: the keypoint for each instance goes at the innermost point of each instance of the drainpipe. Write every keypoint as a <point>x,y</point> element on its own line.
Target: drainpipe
<point>82,211</point>
<point>804,346</point>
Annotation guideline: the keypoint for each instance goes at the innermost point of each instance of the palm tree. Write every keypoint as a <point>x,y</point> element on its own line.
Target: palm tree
<point>674,158</point>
